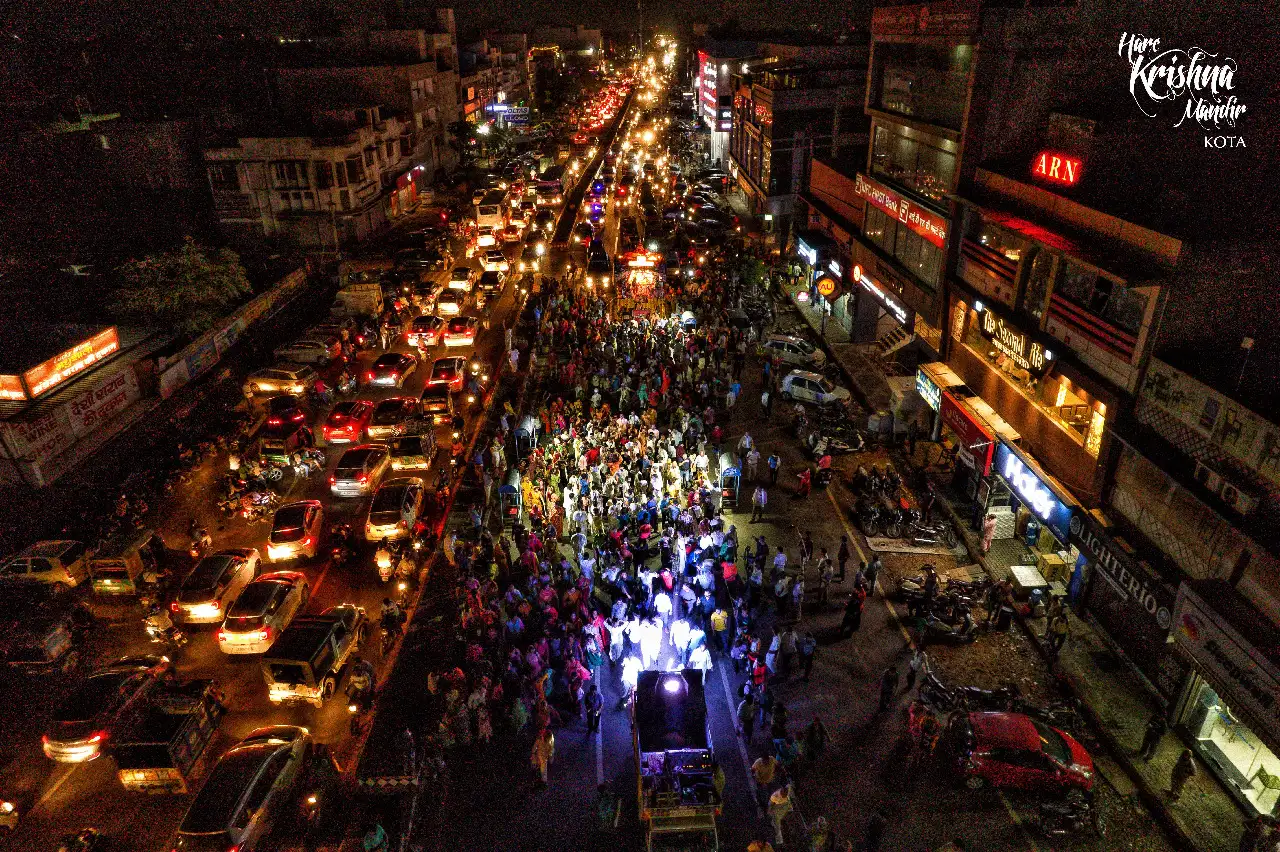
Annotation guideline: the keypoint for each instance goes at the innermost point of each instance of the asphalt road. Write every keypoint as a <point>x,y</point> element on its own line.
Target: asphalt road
<point>56,798</point>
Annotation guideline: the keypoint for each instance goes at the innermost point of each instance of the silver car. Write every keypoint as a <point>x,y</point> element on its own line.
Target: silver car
<point>360,470</point>
<point>794,351</point>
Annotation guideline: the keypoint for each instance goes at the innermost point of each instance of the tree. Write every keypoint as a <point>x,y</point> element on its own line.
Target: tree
<point>188,288</point>
<point>462,136</point>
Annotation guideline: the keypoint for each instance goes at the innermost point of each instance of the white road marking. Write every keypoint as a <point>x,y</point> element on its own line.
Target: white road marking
<point>742,748</point>
<point>1013,815</point>
<point>57,785</point>
<point>315,587</point>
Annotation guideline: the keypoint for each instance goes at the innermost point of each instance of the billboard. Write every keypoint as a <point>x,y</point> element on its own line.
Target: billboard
<point>75,360</point>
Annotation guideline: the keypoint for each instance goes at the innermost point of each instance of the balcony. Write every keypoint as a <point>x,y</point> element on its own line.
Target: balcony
<point>988,271</point>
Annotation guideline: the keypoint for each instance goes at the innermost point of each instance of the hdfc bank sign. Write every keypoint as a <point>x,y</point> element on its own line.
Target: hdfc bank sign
<point>924,222</point>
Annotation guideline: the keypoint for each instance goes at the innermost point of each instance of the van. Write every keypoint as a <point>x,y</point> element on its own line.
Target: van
<point>121,565</point>
<point>279,443</point>
<point>61,564</point>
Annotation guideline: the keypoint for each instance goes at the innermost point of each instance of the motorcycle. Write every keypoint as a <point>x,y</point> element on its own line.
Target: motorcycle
<point>201,544</point>
<point>359,703</point>
<point>869,518</point>
<point>937,630</point>
<point>84,840</point>
<point>8,817</point>
<point>823,478</point>
<point>346,385</point>
<point>1072,815</point>
<point>386,561</point>
<point>161,629</point>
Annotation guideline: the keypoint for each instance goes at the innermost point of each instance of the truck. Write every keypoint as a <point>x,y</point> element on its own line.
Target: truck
<point>363,299</point>
<point>673,753</point>
<point>308,659</point>
<point>492,210</point>
<point>160,749</point>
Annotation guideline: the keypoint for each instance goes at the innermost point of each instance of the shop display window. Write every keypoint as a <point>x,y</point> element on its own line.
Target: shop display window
<point>912,162</point>
<point>1239,757</point>
<point>994,237</point>
<point>1070,406</point>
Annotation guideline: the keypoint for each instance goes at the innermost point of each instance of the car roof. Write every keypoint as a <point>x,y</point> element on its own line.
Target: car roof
<point>1004,730</point>
<point>359,455</point>
<point>804,374</point>
<point>48,548</point>
<point>229,781</point>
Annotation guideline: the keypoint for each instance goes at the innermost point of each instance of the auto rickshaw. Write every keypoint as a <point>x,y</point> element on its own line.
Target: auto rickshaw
<point>128,562</point>
<point>510,498</point>
<point>526,435</point>
<point>730,479</point>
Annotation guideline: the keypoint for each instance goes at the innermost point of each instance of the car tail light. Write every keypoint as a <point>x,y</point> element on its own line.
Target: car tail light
<point>217,604</point>
<point>98,736</point>
<point>173,607</point>
<point>364,477</point>
<point>44,739</point>
<point>306,542</point>
<point>368,377</point>
<point>395,374</point>
<point>274,421</point>
<point>333,480</point>
<point>222,636</point>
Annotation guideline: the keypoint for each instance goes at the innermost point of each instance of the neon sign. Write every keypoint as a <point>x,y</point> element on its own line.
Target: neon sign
<point>1027,354</point>
<point>1038,497</point>
<point>80,357</point>
<point>1057,168</point>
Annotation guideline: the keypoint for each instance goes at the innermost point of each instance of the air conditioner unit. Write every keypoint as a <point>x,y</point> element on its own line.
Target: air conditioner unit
<point>1208,477</point>
<point>1237,499</point>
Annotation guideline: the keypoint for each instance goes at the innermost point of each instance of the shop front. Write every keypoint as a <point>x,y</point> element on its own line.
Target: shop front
<point>975,444</point>
<point>1032,508</point>
<point>1129,601</point>
<point>1061,413</point>
<point>1229,709</point>
<point>832,288</point>
<point>931,380</point>
<point>880,313</point>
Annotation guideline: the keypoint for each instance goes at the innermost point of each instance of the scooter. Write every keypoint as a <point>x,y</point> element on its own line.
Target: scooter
<point>84,840</point>
<point>937,630</point>
<point>8,817</point>
<point>201,544</point>
<point>359,703</point>
<point>161,629</point>
<point>1071,815</point>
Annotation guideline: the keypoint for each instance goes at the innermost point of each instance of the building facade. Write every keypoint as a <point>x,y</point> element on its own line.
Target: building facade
<point>335,183</point>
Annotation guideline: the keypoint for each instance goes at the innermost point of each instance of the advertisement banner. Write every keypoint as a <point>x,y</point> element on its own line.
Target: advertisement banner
<point>1242,674</point>
<point>11,388</point>
<point>203,355</point>
<point>227,337</point>
<point>100,403</point>
<point>41,437</point>
<point>173,378</point>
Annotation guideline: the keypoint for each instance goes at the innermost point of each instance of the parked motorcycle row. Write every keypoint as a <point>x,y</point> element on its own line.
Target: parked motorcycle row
<point>883,510</point>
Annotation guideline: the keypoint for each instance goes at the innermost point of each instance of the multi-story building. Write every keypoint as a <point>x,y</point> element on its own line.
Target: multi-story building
<point>572,41</point>
<point>332,182</point>
<point>717,63</point>
<point>784,114</point>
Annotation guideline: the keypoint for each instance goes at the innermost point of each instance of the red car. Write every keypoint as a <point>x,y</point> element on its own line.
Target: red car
<point>347,421</point>
<point>1014,750</point>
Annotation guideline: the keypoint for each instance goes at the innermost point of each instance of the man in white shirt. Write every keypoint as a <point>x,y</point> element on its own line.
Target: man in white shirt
<point>779,562</point>
<point>650,642</point>
<point>587,564</point>
<point>662,606</point>
<point>680,640</point>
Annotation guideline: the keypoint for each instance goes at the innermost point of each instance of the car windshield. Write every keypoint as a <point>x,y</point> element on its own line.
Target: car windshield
<point>90,697</point>
<point>462,273</point>
<point>459,325</point>
<point>242,623</point>
<point>1052,743</point>
<point>824,385</point>
<point>435,396</point>
<point>288,525</point>
<point>214,808</point>
<point>342,411</point>
<point>390,361</point>
<point>407,447</point>
<point>202,578</point>
<point>444,370</point>
<point>387,501</point>
<point>804,346</point>
<point>426,324</point>
<point>253,600</point>
<point>389,411</point>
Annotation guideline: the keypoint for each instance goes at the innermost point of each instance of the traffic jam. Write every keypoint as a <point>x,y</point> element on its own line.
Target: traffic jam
<point>220,649</point>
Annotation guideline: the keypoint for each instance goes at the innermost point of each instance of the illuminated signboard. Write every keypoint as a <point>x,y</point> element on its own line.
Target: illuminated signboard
<point>926,388</point>
<point>923,222</point>
<point>827,286</point>
<point>11,388</point>
<point>1033,492</point>
<point>1026,353</point>
<point>807,252</point>
<point>891,304</point>
<point>1057,168</point>
<point>80,357</point>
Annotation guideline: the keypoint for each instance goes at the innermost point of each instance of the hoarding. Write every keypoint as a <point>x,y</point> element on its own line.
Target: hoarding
<point>75,360</point>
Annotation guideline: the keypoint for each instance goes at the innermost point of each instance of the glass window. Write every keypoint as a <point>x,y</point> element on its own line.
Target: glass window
<point>912,162</point>
<point>992,236</point>
<point>1039,285</point>
<point>924,81</point>
<point>324,174</point>
<point>224,177</point>
<point>1126,309</point>
<point>1234,751</point>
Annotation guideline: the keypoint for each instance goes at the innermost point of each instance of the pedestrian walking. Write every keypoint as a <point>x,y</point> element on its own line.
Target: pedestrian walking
<point>888,687</point>
<point>873,571</point>
<point>842,556</point>
<point>1058,630</point>
<point>774,464</point>
<point>1156,728</point>
<point>852,620</point>
<point>779,808</point>
<point>544,751</point>
<point>759,499</point>
<point>763,771</point>
<point>826,573</point>
<point>747,716</point>
<point>807,647</point>
<point>919,664</point>
<point>766,403</point>
<point>753,464</point>
<point>593,702</point>
<point>1183,771</point>
<point>926,505</point>
<point>912,431</point>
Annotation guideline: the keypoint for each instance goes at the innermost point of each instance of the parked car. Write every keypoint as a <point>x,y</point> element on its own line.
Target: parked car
<point>804,386</point>
<point>391,418</point>
<point>391,369</point>
<point>461,331</point>
<point>295,531</point>
<point>61,564</point>
<point>262,612</point>
<point>413,452</point>
<point>248,790</point>
<point>306,350</point>
<point>82,722</point>
<point>496,261</point>
<point>359,470</point>
<point>462,278</point>
<point>284,378</point>
<point>347,420</point>
<point>395,509</point>
<point>795,351</point>
<point>426,330</point>
<point>1014,750</point>
<point>449,371</point>
<point>213,584</point>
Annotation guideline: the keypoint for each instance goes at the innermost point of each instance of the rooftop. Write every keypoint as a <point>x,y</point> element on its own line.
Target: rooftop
<point>37,342</point>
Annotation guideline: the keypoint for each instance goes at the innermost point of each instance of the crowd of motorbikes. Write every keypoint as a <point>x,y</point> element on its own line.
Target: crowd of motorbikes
<point>882,509</point>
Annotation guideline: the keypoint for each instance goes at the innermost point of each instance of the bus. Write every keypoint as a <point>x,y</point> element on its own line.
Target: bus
<point>492,210</point>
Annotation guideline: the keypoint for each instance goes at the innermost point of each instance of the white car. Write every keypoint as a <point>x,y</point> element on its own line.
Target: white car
<point>486,237</point>
<point>395,509</point>
<point>264,609</point>
<point>795,351</point>
<point>803,386</point>
<point>295,531</point>
<point>496,261</point>
<point>462,278</point>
